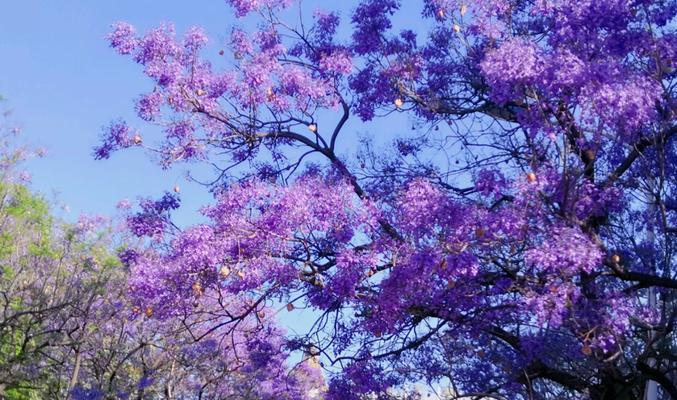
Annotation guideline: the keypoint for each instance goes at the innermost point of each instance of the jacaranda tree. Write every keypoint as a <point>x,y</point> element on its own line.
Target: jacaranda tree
<point>518,243</point>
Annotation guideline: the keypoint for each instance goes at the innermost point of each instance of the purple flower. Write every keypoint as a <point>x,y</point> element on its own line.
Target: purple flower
<point>123,38</point>
<point>115,137</point>
<point>148,106</point>
<point>195,39</point>
<point>338,62</point>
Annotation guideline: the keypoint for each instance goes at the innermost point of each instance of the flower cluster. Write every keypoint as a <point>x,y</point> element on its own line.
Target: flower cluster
<point>154,216</point>
<point>244,7</point>
<point>116,136</point>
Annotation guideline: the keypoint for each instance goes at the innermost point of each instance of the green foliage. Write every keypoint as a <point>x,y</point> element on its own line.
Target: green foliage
<point>23,391</point>
<point>6,244</point>
<point>43,265</point>
<point>12,351</point>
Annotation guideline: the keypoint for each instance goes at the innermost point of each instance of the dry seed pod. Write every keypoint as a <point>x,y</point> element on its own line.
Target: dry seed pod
<point>197,289</point>
<point>464,9</point>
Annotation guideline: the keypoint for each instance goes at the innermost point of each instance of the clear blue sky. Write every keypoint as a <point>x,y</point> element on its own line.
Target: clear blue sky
<point>64,83</point>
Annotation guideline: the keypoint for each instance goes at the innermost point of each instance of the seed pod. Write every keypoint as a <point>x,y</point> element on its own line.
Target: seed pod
<point>197,289</point>
<point>479,232</point>
<point>464,9</point>
<point>399,102</point>
<point>615,259</point>
<point>531,177</point>
<point>290,307</point>
<point>224,271</point>
<point>457,28</point>
<point>200,92</point>
<point>149,311</point>
<point>137,139</point>
<point>589,156</point>
<point>177,189</point>
<point>312,127</point>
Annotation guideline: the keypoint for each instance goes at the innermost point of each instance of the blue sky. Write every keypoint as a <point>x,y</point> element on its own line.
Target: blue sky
<point>63,84</point>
